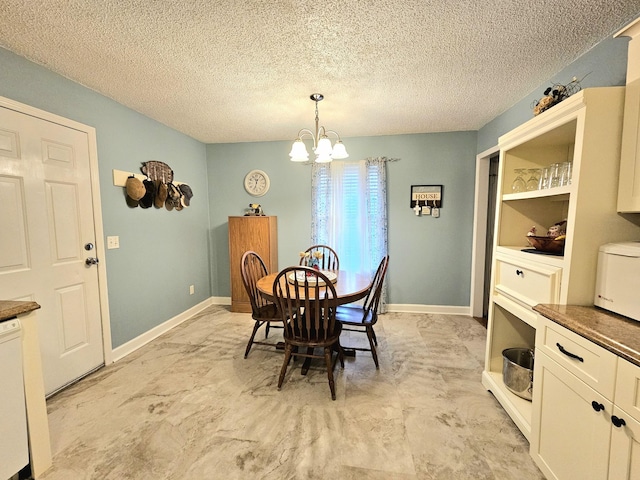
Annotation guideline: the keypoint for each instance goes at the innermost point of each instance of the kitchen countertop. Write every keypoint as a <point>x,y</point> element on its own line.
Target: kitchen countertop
<point>10,308</point>
<point>618,334</point>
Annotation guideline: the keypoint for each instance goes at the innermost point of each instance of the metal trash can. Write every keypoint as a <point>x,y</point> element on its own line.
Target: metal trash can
<point>517,371</point>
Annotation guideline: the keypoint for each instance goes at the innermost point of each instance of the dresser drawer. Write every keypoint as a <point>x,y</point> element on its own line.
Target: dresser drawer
<point>628,388</point>
<point>591,363</point>
<point>529,283</point>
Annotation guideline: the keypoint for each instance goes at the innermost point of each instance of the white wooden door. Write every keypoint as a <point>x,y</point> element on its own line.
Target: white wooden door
<point>46,219</point>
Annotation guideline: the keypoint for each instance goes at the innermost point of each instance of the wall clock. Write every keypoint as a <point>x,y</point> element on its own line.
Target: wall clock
<point>256,183</point>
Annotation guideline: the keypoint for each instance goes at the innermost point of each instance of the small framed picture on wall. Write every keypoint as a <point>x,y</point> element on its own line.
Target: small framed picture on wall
<point>426,196</point>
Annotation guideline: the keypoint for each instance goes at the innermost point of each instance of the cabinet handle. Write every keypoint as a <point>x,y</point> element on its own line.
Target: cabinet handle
<point>597,406</point>
<point>520,272</point>
<point>569,354</point>
<point>618,422</point>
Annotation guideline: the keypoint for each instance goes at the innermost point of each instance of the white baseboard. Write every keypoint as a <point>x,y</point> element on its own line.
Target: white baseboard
<point>134,344</point>
<point>400,308</point>
<point>438,309</point>
<point>220,300</point>
<point>141,340</point>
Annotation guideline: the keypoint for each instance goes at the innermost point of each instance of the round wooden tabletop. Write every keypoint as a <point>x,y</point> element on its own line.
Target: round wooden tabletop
<point>350,287</point>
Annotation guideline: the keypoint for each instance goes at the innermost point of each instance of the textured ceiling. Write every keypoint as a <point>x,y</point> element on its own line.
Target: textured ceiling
<point>240,70</point>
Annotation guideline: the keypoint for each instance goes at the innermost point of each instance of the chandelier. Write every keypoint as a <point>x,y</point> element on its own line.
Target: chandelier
<point>321,143</point>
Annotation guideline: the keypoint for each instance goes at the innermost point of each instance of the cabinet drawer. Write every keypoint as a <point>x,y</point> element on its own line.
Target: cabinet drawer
<point>529,283</point>
<point>628,388</point>
<point>589,362</point>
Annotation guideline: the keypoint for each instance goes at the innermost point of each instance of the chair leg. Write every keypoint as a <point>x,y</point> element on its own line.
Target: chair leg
<point>375,340</point>
<point>307,362</point>
<point>340,354</point>
<point>266,333</point>
<point>256,326</point>
<point>327,359</point>
<point>287,356</point>
<point>372,343</point>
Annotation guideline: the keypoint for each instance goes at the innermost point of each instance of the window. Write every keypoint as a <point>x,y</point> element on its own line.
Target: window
<point>349,211</point>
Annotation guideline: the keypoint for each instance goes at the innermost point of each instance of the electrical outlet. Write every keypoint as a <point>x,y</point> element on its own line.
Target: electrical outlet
<point>113,242</point>
<point>192,289</point>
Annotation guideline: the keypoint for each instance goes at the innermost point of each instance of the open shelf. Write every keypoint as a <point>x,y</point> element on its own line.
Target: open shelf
<point>519,409</point>
<point>516,218</point>
<point>562,194</point>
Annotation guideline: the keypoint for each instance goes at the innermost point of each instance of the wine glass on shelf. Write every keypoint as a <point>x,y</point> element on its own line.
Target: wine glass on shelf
<point>519,184</point>
<point>534,179</point>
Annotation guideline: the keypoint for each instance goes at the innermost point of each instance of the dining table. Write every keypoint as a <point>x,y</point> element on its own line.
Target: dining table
<point>350,287</point>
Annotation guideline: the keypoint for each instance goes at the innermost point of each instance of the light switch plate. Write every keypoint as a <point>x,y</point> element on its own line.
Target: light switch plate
<point>113,242</point>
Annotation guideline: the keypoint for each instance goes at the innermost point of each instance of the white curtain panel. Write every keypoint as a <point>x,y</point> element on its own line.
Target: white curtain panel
<point>349,212</point>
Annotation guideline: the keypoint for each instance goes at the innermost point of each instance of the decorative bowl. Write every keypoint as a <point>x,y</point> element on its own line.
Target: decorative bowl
<point>547,244</point>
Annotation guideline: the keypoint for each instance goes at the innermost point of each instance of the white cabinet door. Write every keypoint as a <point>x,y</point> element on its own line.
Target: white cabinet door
<point>629,187</point>
<point>625,448</point>
<point>571,428</point>
<point>625,438</point>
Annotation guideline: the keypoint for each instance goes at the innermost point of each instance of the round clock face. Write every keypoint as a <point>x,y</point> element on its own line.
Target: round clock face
<point>256,183</point>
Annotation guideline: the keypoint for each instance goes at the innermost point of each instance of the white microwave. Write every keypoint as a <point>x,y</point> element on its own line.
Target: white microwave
<point>618,279</point>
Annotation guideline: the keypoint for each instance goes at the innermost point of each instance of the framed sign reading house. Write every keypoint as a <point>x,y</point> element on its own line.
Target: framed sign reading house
<point>426,195</point>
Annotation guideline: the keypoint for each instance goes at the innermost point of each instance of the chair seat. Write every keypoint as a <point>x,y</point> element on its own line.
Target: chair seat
<point>267,312</point>
<point>353,315</point>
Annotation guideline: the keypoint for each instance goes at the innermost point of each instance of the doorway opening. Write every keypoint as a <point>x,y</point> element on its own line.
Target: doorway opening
<point>484,219</point>
<point>494,162</point>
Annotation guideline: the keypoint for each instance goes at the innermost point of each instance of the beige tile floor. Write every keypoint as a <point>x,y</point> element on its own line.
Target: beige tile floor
<point>189,406</point>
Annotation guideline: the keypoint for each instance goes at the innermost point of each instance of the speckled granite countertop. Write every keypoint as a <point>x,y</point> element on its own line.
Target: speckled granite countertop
<point>10,309</point>
<point>618,334</point>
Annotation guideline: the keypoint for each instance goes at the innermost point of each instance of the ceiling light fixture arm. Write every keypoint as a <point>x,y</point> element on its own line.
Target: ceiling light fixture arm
<point>304,132</point>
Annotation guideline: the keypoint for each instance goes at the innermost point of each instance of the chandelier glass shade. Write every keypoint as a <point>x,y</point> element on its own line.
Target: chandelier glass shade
<point>322,147</point>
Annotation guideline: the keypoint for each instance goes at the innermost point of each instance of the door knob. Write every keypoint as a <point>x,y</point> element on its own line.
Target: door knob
<point>91,261</point>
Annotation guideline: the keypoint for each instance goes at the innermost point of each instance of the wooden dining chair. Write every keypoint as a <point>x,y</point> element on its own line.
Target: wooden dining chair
<point>329,260</point>
<point>306,299</point>
<point>362,318</point>
<point>263,312</point>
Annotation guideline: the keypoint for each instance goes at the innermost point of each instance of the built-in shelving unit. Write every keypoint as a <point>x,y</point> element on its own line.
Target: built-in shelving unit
<point>586,130</point>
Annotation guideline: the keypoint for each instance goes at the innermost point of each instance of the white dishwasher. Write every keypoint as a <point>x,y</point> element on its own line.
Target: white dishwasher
<point>14,447</point>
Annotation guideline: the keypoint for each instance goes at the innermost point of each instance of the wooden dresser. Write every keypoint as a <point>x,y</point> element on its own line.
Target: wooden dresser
<point>259,234</point>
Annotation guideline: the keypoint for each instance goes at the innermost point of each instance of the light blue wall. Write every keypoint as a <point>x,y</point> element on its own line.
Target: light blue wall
<point>604,65</point>
<point>161,253</point>
<point>430,257</point>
